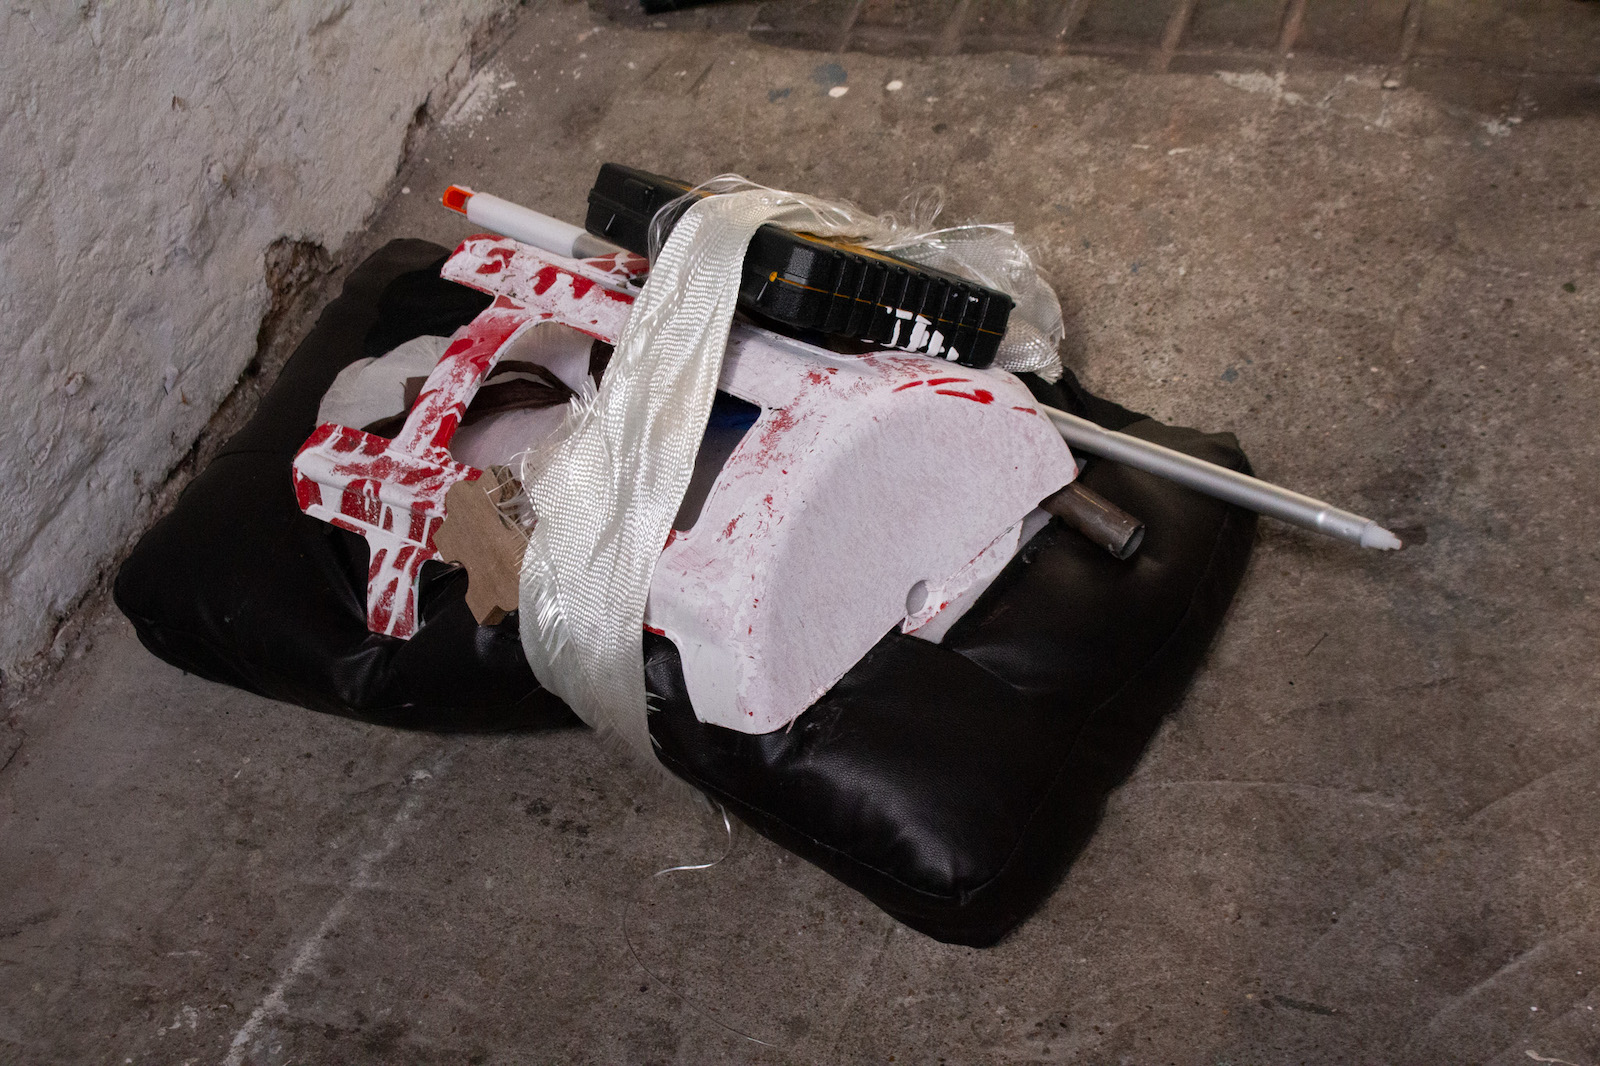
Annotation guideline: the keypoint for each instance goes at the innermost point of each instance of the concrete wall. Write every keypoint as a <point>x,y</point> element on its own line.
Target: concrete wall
<point>150,155</point>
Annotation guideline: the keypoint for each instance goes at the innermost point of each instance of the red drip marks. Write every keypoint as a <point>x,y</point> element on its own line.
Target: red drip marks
<point>544,279</point>
<point>1026,410</point>
<point>672,535</point>
<point>976,395</point>
<point>359,502</point>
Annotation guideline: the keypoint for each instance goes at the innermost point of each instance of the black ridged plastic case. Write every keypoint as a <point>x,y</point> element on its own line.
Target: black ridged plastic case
<point>811,283</point>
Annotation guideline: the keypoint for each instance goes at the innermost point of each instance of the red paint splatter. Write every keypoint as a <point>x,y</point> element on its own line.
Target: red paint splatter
<point>495,261</point>
<point>447,429</point>
<point>1026,410</point>
<point>728,531</point>
<point>672,535</point>
<point>949,381</point>
<point>545,278</point>
<point>907,385</point>
<point>581,286</point>
<point>381,612</point>
<point>976,395</point>
<point>782,421</point>
<point>355,503</point>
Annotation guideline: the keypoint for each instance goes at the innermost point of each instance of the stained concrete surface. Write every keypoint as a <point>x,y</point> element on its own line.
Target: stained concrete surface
<point>1368,835</point>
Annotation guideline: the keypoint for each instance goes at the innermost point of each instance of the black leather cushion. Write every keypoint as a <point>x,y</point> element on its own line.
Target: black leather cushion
<point>951,784</point>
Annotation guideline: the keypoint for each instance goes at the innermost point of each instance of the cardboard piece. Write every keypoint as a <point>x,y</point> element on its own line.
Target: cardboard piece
<point>479,533</point>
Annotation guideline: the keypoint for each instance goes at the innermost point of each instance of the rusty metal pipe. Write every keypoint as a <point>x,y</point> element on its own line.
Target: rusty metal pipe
<point>1097,518</point>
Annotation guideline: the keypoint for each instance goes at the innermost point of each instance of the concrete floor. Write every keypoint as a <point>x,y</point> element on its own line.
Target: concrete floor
<point>1368,836</point>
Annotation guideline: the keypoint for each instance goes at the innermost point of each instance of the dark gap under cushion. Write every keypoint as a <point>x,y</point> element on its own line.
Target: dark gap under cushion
<point>951,784</point>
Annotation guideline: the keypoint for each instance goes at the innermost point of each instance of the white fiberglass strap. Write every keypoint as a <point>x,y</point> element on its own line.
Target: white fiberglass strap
<point>605,492</point>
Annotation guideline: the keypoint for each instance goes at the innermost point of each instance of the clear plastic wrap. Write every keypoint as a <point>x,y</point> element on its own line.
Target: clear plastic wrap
<point>987,253</point>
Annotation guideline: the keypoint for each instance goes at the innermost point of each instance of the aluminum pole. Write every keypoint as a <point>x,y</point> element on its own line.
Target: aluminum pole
<point>1224,484</point>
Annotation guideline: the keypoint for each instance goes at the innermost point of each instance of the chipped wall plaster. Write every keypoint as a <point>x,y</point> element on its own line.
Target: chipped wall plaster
<point>150,154</point>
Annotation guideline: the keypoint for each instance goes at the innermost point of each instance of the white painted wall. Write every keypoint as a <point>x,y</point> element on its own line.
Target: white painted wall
<point>149,154</point>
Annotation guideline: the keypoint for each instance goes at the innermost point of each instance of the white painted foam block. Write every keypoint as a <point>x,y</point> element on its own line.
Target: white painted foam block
<point>865,478</point>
